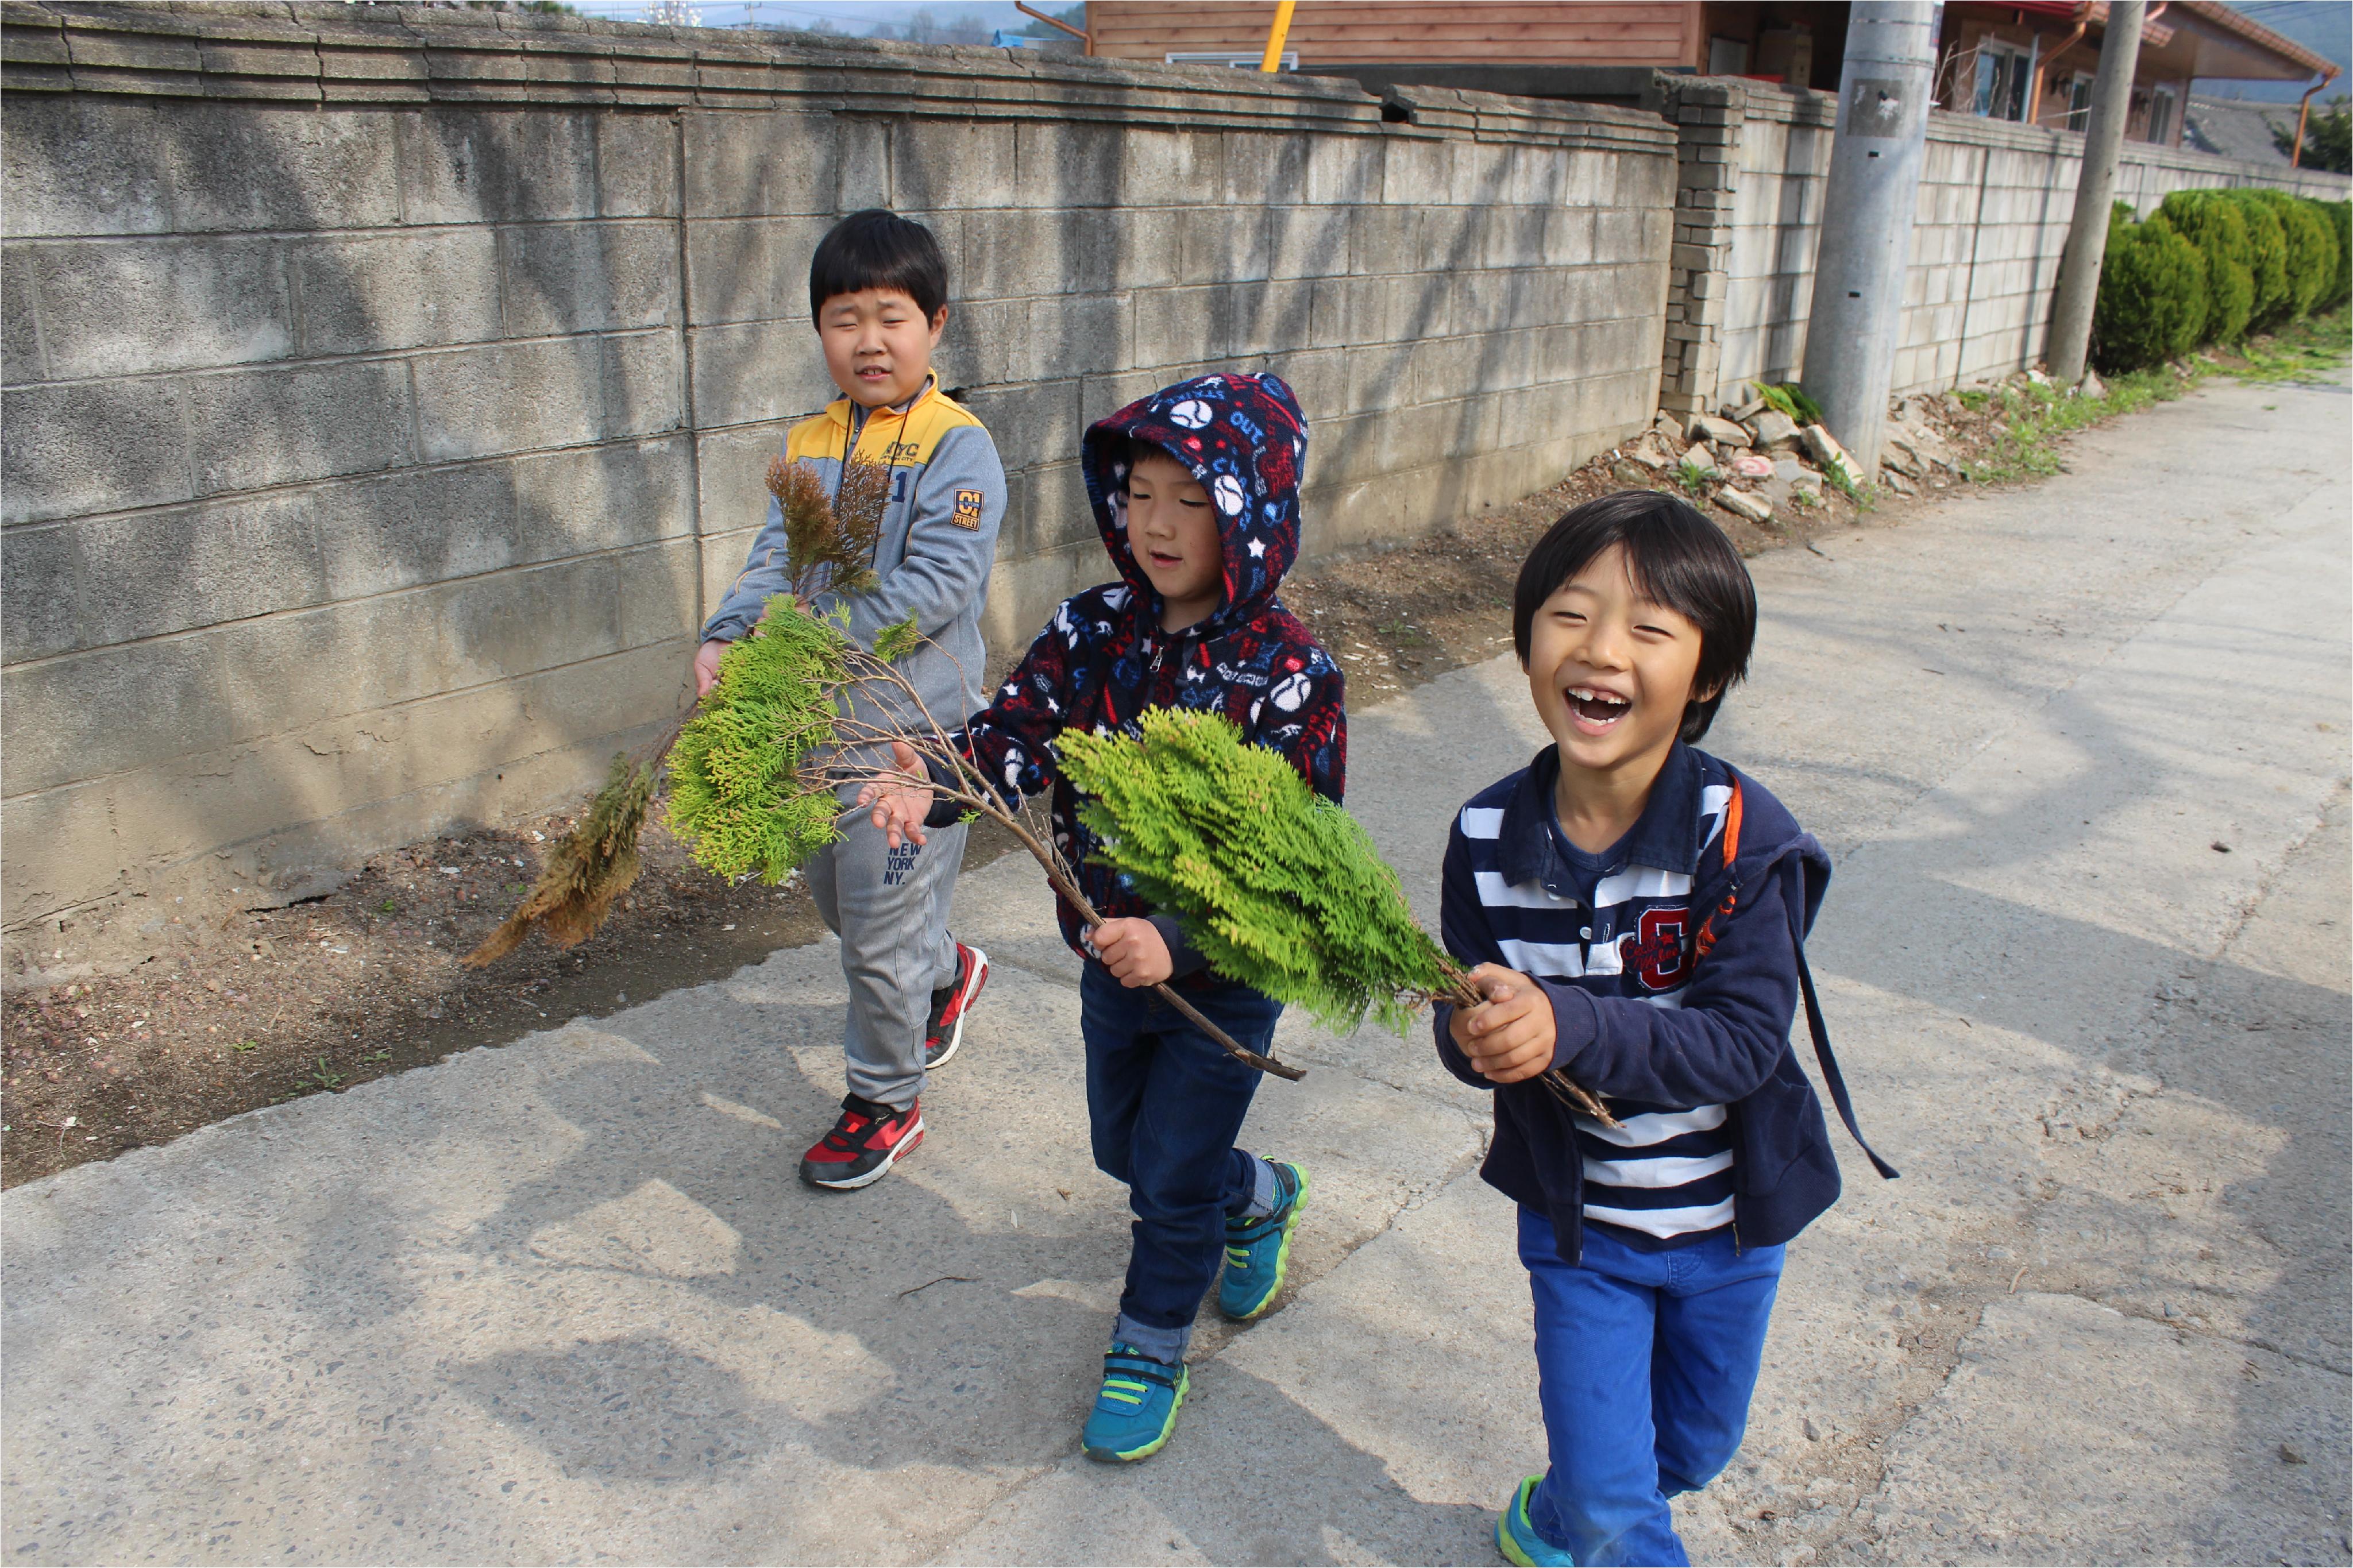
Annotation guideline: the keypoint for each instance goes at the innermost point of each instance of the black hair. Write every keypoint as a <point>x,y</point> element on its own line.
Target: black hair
<point>1676,558</point>
<point>879,250</point>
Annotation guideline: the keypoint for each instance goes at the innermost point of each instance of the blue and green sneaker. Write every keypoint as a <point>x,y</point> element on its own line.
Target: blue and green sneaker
<point>1258,1251</point>
<point>1516,1537</point>
<point>1135,1413</point>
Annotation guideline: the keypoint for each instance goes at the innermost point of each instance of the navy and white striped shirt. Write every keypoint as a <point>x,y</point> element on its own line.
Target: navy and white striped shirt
<point>1618,924</point>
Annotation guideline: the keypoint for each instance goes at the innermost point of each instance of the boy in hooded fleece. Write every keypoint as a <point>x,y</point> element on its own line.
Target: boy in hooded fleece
<point>1196,489</point>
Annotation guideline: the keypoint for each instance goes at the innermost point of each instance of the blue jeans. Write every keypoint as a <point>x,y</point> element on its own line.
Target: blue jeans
<point>1645,1362</point>
<point>1166,1102</point>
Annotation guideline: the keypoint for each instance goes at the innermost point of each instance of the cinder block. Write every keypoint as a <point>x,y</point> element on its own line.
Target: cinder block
<point>1308,241</point>
<point>365,294</point>
<point>587,276</point>
<point>950,164</point>
<point>234,168</point>
<point>1064,163</point>
<point>660,592</point>
<point>88,714</point>
<point>614,496</point>
<point>474,165</point>
<point>1482,172</point>
<point>1032,424</point>
<point>1179,326</point>
<point>979,338</point>
<point>82,165</point>
<point>1018,253</point>
<point>751,270</point>
<point>1272,317</point>
<point>863,151</point>
<point>1384,240</point>
<point>756,372</point>
<point>122,307</point>
<point>637,164</point>
<point>644,389</point>
<point>1055,516</point>
<point>1265,168</point>
<point>413,528</point>
<point>1514,236</point>
<point>20,336</point>
<point>38,600</point>
<point>1169,168</point>
<point>150,573</point>
<point>1453,238</point>
<point>1319,379</point>
<point>93,445</point>
<point>509,397</point>
<point>723,559</point>
<point>1345,170</point>
<point>1080,334</point>
<point>1223,243</point>
<point>753,164</point>
<point>1418,175</point>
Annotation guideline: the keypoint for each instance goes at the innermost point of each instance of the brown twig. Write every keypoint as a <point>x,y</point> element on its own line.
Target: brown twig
<point>1461,993</point>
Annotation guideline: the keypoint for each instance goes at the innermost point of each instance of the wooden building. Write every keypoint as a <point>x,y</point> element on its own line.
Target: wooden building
<point>2026,60</point>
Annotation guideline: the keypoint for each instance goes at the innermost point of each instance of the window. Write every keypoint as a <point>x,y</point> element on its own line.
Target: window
<point>2003,70</point>
<point>1239,62</point>
<point>2160,116</point>
<point>2079,103</point>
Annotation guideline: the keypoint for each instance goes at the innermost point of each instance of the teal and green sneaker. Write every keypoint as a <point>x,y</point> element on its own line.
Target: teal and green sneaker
<point>1135,1413</point>
<point>1258,1251</point>
<point>1516,1537</point>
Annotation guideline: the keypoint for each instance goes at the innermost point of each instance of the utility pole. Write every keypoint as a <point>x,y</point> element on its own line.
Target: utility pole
<point>2095,192</point>
<point>1868,209</point>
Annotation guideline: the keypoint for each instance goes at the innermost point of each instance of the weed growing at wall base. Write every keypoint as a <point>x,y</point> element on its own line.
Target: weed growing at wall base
<point>2037,414</point>
<point>2308,350</point>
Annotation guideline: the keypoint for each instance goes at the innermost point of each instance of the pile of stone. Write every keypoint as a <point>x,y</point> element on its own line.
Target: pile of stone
<point>1750,458</point>
<point>1913,451</point>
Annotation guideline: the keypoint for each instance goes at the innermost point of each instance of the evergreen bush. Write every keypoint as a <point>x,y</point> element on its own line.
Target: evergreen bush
<point>2339,216</point>
<point>2311,252</point>
<point>2267,256</point>
<point>2152,301</point>
<point>2213,224</point>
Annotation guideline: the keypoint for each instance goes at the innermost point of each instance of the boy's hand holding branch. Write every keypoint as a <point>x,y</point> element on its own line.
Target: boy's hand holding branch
<point>1510,1038</point>
<point>1132,950</point>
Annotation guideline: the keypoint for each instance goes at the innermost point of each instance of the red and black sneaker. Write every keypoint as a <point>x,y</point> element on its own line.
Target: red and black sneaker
<point>951,1004</point>
<point>865,1142</point>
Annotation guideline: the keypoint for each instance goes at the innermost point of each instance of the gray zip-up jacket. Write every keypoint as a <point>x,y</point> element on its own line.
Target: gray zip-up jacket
<point>938,541</point>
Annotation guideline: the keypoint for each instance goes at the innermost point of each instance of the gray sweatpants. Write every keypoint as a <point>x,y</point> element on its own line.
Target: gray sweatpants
<point>890,907</point>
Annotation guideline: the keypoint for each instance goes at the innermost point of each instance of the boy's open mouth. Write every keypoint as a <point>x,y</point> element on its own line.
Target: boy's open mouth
<point>1162,558</point>
<point>1595,708</point>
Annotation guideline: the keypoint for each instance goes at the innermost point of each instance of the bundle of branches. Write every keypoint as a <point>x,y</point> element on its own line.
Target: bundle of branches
<point>1277,888</point>
<point>829,545</point>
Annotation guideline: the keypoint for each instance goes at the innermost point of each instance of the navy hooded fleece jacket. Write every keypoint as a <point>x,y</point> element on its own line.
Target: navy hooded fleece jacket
<point>1103,659</point>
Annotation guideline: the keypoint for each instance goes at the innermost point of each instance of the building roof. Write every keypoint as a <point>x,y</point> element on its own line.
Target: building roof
<point>2236,128</point>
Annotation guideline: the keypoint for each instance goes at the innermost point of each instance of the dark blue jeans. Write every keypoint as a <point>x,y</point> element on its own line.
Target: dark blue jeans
<point>1645,1362</point>
<point>1166,1102</point>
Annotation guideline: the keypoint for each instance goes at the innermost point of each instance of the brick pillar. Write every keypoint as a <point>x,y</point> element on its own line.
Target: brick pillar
<point>1707,117</point>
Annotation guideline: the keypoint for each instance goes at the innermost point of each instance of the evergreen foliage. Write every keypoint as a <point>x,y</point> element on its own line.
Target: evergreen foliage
<point>829,540</point>
<point>2213,224</point>
<point>2152,300</point>
<point>2327,137</point>
<point>2267,256</point>
<point>588,868</point>
<point>2311,250</point>
<point>2339,216</point>
<point>1277,888</point>
<point>741,788</point>
<point>1791,399</point>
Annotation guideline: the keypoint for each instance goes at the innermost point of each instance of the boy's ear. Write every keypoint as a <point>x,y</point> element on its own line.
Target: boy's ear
<point>939,323</point>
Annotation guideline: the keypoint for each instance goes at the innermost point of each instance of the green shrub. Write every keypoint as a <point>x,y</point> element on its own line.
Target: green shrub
<point>2212,224</point>
<point>2267,255</point>
<point>2340,229</point>
<point>2311,252</point>
<point>2152,301</point>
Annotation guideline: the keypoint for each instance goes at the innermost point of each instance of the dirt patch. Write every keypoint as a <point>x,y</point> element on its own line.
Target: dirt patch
<point>259,1007</point>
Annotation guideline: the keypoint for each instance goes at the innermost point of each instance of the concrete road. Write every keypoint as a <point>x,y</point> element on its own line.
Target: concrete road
<point>2081,753</point>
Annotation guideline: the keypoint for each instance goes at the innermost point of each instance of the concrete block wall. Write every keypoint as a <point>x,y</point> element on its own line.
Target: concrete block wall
<point>1994,206</point>
<point>386,396</point>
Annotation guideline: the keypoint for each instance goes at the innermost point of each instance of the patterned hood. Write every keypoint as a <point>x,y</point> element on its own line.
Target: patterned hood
<point>1245,439</point>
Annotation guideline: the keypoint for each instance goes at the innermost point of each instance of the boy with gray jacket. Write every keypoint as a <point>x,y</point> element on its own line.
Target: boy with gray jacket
<point>878,292</point>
